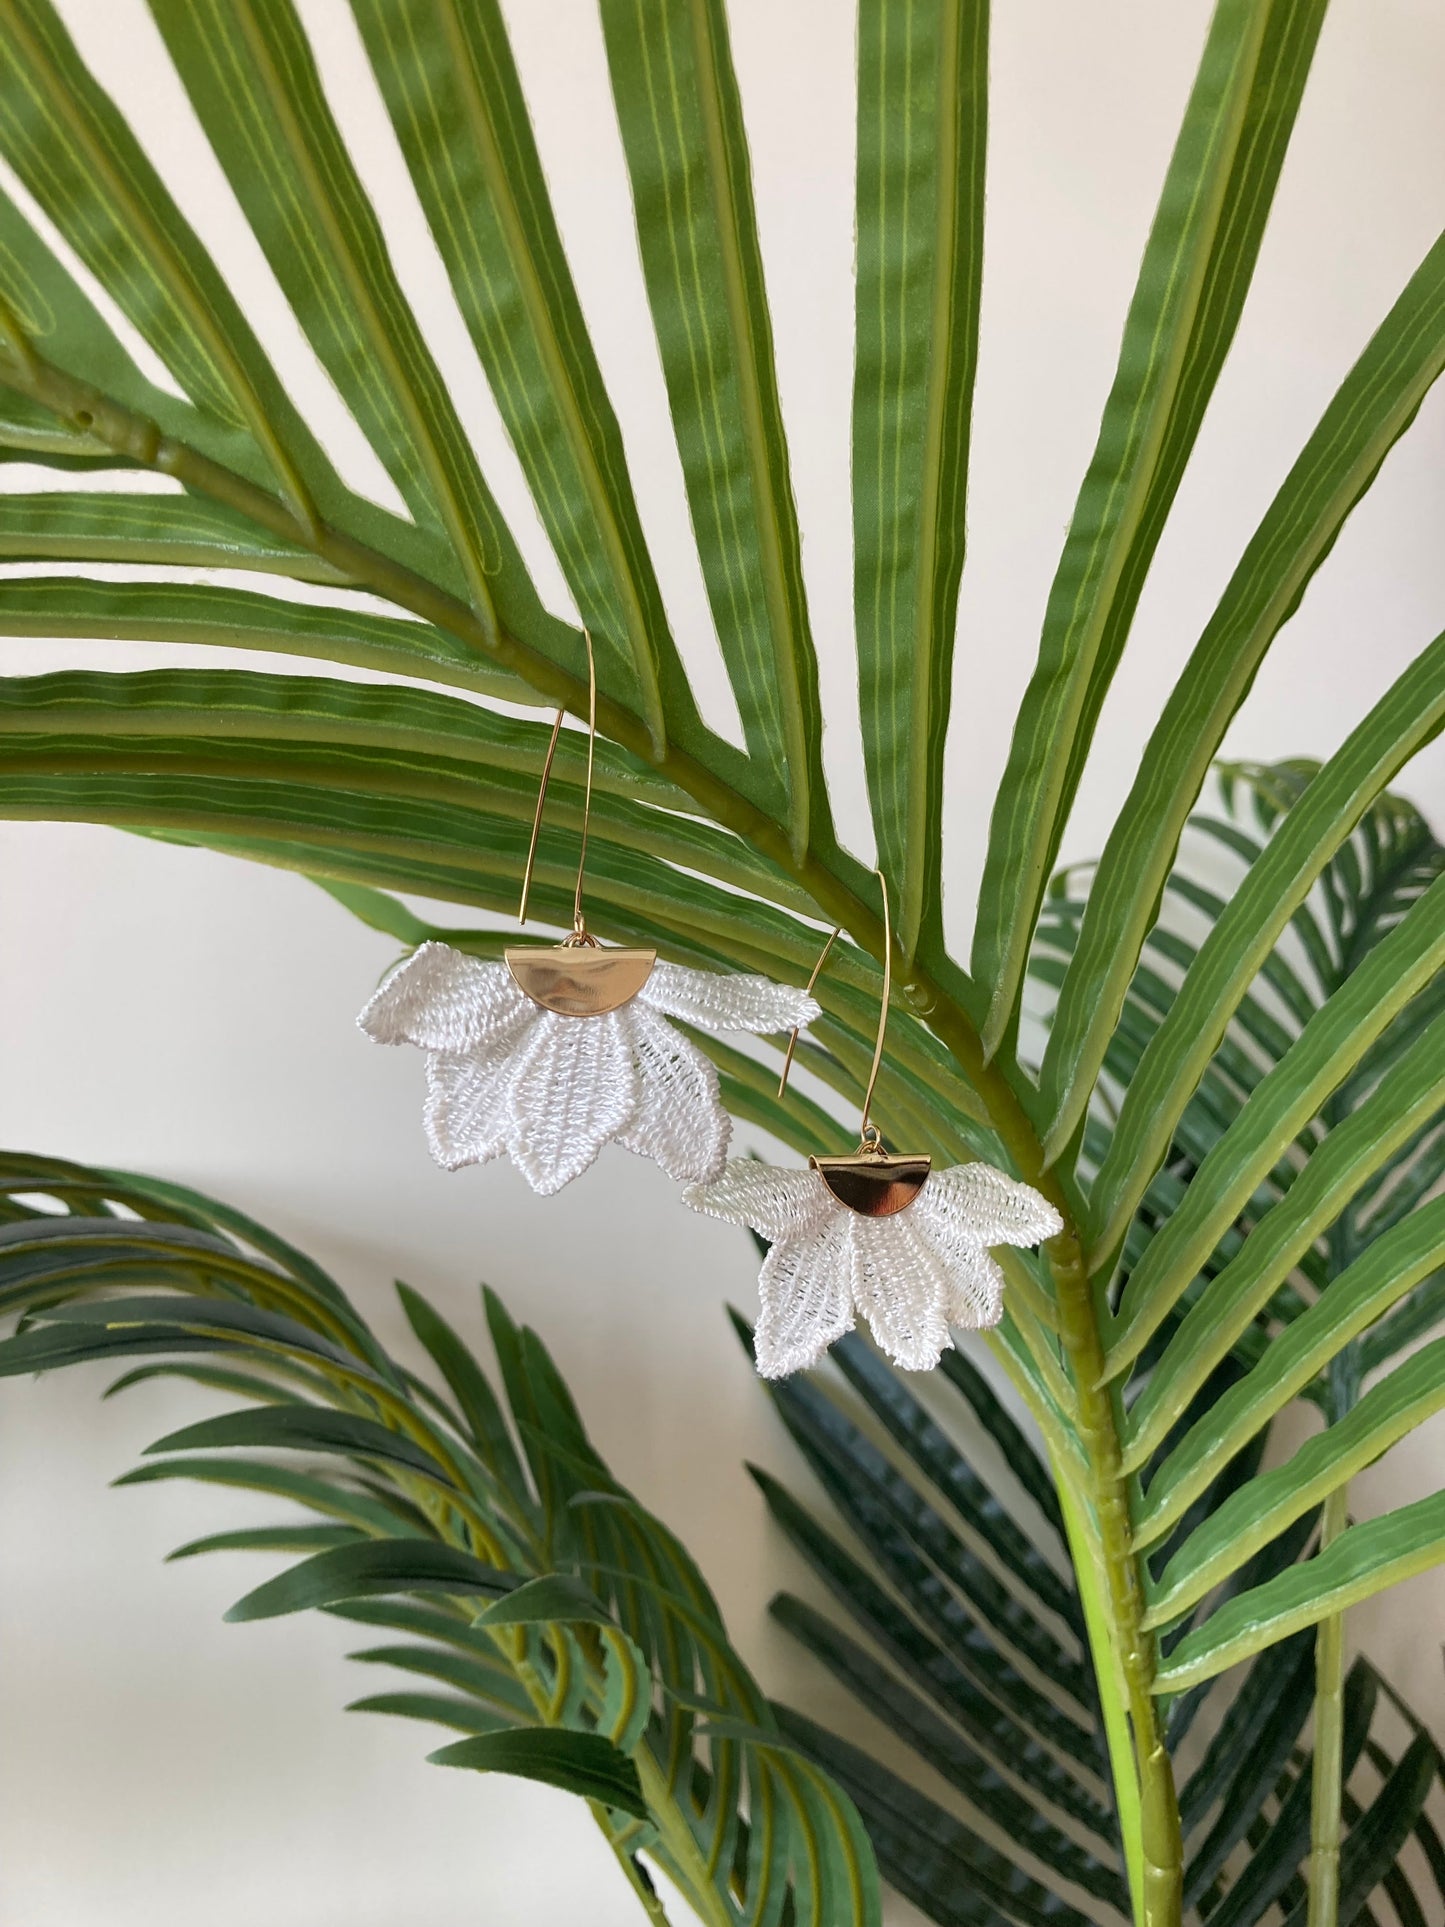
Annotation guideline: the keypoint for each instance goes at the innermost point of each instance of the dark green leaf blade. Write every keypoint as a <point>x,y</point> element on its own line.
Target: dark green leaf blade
<point>581,1763</point>
<point>376,1566</point>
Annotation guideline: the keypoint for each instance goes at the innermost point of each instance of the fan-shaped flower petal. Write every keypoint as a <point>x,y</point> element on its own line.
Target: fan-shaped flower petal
<point>975,1294</point>
<point>679,1122</point>
<point>468,1113</point>
<point>776,1203</point>
<point>806,1299</point>
<point>445,1000</point>
<point>573,1088</point>
<point>714,1002</point>
<point>983,1206</point>
<point>505,1074</point>
<point>902,1288</point>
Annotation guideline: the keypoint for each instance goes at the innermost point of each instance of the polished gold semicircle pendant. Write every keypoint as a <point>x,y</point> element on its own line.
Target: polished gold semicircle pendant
<point>875,1184</point>
<point>579,979</point>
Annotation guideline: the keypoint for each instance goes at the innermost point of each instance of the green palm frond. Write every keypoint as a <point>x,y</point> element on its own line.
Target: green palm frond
<point>1298,1297</point>
<point>471,1522</point>
<point>1237,1119</point>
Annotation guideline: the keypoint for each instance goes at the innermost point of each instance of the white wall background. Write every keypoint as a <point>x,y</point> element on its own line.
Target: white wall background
<point>187,1015</point>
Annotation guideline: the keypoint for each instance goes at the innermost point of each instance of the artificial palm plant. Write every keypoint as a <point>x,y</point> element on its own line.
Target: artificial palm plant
<point>1163,1127</point>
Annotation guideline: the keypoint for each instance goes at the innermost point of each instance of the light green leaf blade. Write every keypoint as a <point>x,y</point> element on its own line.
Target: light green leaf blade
<point>1364,1560</point>
<point>1407,716</point>
<point>1385,1272</point>
<point>1191,288</point>
<point>225,617</point>
<point>76,155</point>
<point>1373,407</point>
<point>448,78</point>
<point>172,530</point>
<point>251,76</point>
<point>1261,1509</point>
<point>391,725</point>
<point>682,132</point>
<point>1352,1153</point>
<point>922,109</point>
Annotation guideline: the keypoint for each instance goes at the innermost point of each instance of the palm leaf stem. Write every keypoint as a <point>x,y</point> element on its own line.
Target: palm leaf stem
<point>1123,1650</point>
<point>1087,1555</point>
<point>1326,1788</point>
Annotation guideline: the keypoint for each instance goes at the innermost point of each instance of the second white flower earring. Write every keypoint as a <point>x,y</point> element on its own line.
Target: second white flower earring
<point>563,1048</point>
<point>877,1234</point>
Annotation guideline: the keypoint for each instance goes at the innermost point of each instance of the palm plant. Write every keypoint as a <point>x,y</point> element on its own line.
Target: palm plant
<point>727,856</point>
<point>943,1635</point>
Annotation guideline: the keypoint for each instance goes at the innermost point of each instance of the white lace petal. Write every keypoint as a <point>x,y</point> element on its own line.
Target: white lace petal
<point>445,1000</point>
<point>714,1001</point>
<point>467,1116</point>
<point>805,1299</point>
<point>975,1291</point>
<point>902,1288</point>
<point>573,1088</point>
<point>979,1206</point>
<point>778,1204</point>
<point>680,1123</point>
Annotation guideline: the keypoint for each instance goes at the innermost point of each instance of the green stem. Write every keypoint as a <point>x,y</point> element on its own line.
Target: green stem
<point>1087,1555</point>
<point>1157,1879</point>
<point>1327,1785</point>
<point>688,1867</point>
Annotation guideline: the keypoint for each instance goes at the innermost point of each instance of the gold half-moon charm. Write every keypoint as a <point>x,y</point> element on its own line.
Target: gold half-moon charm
<point>579,980</point>
<point>875,1184</point>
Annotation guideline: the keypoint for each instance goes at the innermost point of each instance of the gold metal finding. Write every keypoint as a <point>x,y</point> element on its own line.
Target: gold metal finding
<point>874,1182</point>
<point>577,977</point>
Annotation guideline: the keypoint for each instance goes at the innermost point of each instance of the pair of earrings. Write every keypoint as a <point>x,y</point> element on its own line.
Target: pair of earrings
<point>563,1048</point>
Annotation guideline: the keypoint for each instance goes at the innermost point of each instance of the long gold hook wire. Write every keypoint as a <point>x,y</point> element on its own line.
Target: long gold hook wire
<point>793,1036</point>
<point>868,1131</point>
<point>579,926</point>
<point>867,1125</point>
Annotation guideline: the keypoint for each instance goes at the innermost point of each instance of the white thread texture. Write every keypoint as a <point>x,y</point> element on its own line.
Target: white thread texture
<point>505,1076</point>
<point>712,1002</point>
<point>911,1276</point>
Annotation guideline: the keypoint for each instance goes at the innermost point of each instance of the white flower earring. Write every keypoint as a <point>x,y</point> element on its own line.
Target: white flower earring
<point>563,1048</point>
<point>874,1233</point>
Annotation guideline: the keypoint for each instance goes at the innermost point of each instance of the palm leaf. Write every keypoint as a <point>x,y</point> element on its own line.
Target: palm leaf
<point>424,1516</point>
<point>1216,1370</point>
<point>1237,1109</point>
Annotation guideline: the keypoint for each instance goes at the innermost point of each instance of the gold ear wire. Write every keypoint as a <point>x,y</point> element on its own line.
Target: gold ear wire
<point>579,924</point>
<point>868,1130</point>
<point>869,1133</point>
<point>793,1036</point>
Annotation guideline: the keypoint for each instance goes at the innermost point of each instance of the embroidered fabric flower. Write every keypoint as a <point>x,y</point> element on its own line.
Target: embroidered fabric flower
<point>505,1075</point>
<point>911,1275</point>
